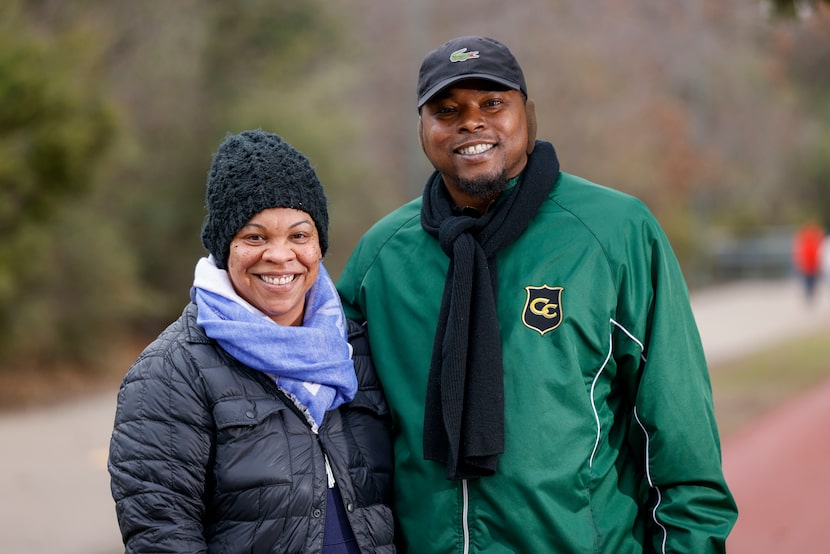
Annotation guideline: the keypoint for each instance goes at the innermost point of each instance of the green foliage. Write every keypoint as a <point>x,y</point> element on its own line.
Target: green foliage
<point>76,288</point>
<point>55,124</point>
<point>284,39</point>
<point>792,8</point>
<point>52,126</point>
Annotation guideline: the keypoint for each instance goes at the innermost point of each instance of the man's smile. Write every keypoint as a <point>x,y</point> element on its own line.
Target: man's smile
<point>474,149</point>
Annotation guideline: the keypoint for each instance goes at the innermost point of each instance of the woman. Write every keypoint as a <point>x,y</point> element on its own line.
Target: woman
<point>246,426</point>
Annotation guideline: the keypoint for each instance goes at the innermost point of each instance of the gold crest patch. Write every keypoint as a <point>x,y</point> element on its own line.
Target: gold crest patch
<point>543,308</point>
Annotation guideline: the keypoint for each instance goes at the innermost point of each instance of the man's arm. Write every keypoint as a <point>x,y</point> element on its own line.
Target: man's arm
<point>690,507</point>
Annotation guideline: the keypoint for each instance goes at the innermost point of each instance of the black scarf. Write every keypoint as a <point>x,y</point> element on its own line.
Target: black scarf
<point>464,412</point>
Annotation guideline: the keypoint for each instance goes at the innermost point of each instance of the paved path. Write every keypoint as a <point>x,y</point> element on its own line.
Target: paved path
<point>53,476</point>
<point>54,487</point>
<point>736,319</point>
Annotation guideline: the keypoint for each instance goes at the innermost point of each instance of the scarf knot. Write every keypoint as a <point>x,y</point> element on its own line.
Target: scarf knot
<point>311,363</point>
<point>454,228</point>
<point>464,409</point>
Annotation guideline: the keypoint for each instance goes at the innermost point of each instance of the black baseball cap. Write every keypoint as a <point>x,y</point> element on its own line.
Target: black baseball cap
<point>471,57</point>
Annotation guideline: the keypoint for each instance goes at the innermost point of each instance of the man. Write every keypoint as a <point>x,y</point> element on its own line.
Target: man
<point>534,337</point>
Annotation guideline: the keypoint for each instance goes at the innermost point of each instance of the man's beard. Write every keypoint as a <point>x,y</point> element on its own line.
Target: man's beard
<point>485,186</point>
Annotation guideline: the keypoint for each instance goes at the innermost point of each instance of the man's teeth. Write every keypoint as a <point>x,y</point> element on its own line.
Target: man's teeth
<point>475,149</point>
<point>282,280</point>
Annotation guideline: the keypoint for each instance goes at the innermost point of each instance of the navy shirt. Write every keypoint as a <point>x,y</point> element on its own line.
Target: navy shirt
<point>338,537</point>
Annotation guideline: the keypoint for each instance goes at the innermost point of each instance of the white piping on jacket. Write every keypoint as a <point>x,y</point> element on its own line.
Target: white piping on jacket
<point>632,337</point>
<point>465,510</point>
<point>596,378</point>
<point>594,404</point>
<point>645,434</point>
<point>651,484</point>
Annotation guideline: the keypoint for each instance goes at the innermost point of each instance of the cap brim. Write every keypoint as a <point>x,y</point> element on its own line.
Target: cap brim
<point>441,85</point>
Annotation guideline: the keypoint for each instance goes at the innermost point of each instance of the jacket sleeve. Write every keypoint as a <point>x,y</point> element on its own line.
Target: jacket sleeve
<point>159,452</point>
<point>689,506</point>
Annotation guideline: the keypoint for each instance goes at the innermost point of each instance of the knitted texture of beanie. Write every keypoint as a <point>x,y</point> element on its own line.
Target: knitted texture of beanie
<point>251,172</point>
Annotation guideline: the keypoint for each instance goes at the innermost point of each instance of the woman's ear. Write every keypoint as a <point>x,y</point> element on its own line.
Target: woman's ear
<point>530,111</point>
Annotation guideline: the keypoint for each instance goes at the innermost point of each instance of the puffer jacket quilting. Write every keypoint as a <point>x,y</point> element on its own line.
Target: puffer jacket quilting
<point>208,455</point>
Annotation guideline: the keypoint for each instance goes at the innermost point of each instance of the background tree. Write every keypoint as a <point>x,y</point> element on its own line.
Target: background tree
<point>712,112</point>
<point>792,8</point>
<point>804,52</point>
<point>55,125</point>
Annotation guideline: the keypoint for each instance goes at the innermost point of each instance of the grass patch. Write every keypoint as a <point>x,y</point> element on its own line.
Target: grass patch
<point>747,387</point>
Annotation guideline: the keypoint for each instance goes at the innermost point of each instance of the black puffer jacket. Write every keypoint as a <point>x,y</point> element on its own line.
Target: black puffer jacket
<point>208,455</point>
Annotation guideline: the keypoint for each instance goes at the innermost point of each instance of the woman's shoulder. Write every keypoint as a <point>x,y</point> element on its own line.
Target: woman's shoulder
<point>361,354</point>
<point>178,353</point>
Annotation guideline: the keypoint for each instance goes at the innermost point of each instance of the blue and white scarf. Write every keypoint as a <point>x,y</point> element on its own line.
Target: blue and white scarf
<point>312,363</point>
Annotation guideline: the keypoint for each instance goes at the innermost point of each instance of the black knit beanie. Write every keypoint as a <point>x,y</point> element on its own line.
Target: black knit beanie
<point>251,172</point>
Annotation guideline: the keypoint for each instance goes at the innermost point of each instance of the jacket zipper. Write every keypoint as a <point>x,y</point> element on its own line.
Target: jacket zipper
<point>293,407</point>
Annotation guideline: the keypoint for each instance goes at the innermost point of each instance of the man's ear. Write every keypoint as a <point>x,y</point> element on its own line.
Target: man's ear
<point>530,111</point>
<point>421,132</point>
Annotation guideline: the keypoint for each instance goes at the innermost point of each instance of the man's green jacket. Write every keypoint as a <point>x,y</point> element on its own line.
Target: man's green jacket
<point>611,444</point>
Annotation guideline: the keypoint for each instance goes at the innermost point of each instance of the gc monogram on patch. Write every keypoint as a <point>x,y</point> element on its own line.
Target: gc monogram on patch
<point>543,308</point>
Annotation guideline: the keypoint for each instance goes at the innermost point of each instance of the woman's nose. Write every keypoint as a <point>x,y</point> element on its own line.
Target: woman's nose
<point>278,252</point>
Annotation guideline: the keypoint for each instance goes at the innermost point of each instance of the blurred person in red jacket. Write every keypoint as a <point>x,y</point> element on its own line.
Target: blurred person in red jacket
<point>807,256</point>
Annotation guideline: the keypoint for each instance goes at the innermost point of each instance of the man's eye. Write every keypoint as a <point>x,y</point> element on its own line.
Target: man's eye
<point>493,102</point>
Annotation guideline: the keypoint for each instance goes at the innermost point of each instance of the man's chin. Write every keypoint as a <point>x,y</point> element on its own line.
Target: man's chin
<point>483,186</point>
